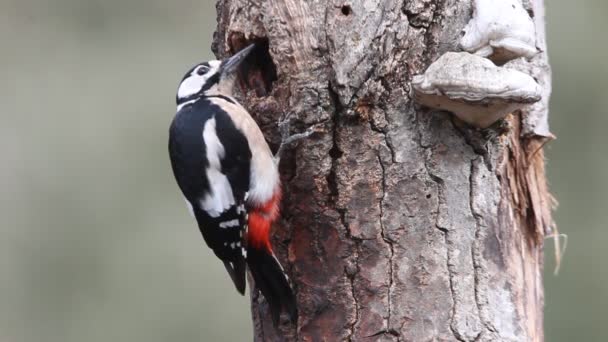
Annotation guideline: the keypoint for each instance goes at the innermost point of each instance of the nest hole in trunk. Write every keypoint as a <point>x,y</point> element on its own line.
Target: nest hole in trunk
<point>259,72</point>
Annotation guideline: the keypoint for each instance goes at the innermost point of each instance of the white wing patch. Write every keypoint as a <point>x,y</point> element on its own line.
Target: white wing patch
<point>220,197</point>
<point>229,224</point>
<point>264,176</point>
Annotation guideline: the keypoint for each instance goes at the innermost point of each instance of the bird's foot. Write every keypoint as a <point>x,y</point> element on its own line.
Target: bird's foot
<point>287,138</point>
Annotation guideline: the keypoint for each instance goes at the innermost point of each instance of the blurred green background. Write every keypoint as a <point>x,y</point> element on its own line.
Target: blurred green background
<point>95,241</point>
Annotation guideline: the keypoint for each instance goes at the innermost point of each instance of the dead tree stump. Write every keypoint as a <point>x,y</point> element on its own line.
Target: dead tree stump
<point>399,223</point>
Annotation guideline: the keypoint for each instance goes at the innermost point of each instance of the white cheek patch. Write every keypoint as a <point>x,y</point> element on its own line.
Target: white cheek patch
<point>194,82</point>
<point>191,85</point>
<point>220,197</point>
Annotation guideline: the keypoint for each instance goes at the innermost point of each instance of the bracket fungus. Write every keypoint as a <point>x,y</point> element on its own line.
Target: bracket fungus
<point>474,89</point>
<point>500,30</point>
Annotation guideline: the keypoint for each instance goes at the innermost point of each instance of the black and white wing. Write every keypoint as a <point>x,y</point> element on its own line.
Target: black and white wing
<point>211,162</point>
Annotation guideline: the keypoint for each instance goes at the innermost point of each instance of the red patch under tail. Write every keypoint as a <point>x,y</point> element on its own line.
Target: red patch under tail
<point>260,222</point>
<point>268,274</point>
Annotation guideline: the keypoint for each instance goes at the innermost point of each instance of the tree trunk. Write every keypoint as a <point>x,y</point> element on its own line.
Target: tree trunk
<point>399,223</point>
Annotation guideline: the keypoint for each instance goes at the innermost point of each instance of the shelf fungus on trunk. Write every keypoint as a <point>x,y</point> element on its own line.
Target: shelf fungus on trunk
<point>500,30</point>
<point>474,89</point>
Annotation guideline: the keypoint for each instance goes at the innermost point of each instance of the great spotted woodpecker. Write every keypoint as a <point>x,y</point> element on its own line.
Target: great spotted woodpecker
<point>229,178</point>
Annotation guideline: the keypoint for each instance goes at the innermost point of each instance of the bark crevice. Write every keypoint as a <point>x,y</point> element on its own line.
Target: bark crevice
<point>389,243</point>
<point>476,253</point>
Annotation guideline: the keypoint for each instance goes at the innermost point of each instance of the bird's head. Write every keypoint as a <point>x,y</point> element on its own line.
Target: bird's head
<point>211,78</point>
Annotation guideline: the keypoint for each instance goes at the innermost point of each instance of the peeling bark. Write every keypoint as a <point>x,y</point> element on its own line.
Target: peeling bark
<point>399,223</point>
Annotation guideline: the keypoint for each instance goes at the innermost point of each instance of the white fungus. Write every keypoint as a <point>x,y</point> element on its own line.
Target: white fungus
<point>474,89</point>
<point>500,30</point>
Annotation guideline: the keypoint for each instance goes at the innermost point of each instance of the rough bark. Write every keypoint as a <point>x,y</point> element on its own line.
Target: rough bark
<point>398,223</point>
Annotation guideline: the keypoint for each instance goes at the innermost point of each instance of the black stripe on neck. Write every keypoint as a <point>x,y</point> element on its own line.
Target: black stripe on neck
<point>219,96</point>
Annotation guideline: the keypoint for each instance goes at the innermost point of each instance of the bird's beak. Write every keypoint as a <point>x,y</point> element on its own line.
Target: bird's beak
<point>231,65</point>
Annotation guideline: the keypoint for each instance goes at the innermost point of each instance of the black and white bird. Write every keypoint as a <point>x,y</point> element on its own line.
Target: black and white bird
<point>229,178</point>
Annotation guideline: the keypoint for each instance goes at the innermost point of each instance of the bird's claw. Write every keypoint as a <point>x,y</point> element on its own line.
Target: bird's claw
<point>287,138</point>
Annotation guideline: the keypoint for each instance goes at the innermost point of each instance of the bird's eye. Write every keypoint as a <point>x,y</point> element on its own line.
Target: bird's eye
<point>202,70</point>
